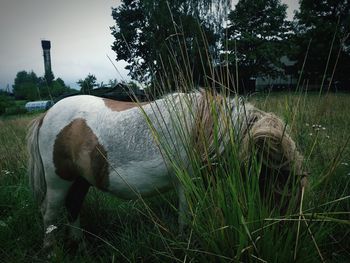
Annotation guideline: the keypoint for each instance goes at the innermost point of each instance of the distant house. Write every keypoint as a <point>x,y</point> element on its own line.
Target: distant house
<point>284,80</point>
<point>38,105</point>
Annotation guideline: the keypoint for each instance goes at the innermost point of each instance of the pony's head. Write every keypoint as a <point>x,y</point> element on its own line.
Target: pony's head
<point>261,144</point>
<point>265,142</point>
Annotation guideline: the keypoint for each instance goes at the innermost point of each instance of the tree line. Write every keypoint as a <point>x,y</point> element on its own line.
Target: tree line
<point>28,86</point>
<point>197,42</point>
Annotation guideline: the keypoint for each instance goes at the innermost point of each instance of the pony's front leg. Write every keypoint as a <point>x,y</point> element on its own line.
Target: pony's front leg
<point>183,208</point>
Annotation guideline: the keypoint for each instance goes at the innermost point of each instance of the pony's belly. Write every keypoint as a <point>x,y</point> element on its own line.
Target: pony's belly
<point>140,179</point>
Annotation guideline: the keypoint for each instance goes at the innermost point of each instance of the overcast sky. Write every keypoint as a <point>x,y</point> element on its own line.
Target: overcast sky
<point>79,34</point>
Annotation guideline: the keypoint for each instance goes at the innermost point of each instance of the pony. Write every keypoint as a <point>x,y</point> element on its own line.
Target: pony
<point>125,148</point>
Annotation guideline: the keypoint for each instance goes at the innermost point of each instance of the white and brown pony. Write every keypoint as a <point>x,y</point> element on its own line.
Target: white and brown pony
<point>116,146</point>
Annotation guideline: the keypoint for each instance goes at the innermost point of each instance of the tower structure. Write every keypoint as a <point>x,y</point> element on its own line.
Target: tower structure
<point>46,45</point>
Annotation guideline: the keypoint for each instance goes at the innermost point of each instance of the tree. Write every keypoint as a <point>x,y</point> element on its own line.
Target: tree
<point>162,40</point>
<point>58,88</point>
<point>112,82</point>
<point>256,39</point>
<point>49,77</point>
<point>49,92</point>
<point>60,82</point>
<point>26,86</point>
<point>324,26</point>
<point>87,84</point>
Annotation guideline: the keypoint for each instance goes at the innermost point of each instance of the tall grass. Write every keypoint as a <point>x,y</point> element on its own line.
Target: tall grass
<point>18,221</point>
<point>228,219</point>
<point>232,212</point>
<point>320,125</point>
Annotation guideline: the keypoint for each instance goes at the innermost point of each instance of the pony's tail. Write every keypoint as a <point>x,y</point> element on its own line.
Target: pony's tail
<point>35,165</point>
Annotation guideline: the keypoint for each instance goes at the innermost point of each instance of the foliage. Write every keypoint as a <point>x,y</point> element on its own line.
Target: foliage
<point>256,37</point>
<point>58,88</point>
<point>324,26</point>
<point>26,86</point>
<point>175,41</point>
<point>158,38</point>
<point>171,42</point>
<point>10,106</point>
<point>5,102</point>
<point>87,84</point>
<point>30,87</point>
<point>49,77</point>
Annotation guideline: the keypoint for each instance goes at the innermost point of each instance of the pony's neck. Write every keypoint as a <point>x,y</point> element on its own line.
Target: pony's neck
<point>208,116</point>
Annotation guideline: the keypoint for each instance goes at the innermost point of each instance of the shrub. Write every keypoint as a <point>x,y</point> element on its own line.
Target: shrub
<point>5,103</point>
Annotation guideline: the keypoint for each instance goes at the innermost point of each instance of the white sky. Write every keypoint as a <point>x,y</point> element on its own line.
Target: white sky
<point>79,34</point>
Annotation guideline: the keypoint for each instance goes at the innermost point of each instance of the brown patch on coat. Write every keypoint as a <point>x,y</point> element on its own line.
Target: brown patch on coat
<point>116,105</point>
<point>77,152</point>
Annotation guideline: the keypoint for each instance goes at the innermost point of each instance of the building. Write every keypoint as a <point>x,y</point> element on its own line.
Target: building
<point>284,80</point>
<point>39,105</point>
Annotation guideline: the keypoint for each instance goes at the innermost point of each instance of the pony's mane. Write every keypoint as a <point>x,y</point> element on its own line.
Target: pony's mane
<point>210,106</point>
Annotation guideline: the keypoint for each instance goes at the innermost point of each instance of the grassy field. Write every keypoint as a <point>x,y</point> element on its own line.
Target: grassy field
<point>221,230</point>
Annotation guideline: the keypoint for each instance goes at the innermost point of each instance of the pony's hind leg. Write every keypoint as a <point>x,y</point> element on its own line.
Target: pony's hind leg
<point>53,208</point>
<point>73,203</point>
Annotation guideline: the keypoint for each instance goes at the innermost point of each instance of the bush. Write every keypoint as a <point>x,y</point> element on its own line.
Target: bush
<point>5,103</point>
<point>15,110</point>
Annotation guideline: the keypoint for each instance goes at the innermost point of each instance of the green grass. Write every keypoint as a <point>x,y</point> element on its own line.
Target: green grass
<point>228,221</point>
